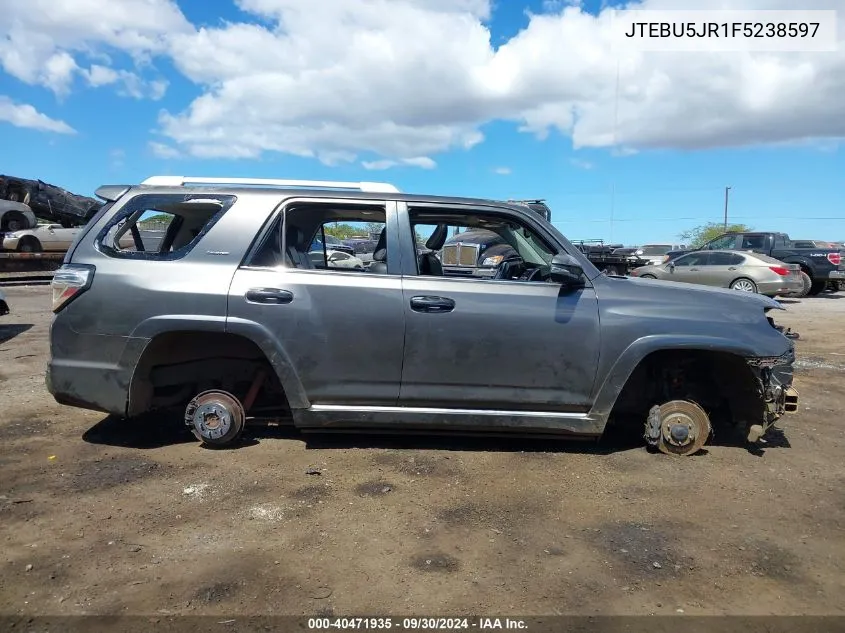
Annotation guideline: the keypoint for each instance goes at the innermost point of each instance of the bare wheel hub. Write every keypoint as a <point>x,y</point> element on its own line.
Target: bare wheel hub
<point>212,415</point>
<point>684,427</point>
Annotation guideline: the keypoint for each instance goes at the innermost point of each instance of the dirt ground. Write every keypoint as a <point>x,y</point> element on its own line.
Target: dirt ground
<point>100,516</point>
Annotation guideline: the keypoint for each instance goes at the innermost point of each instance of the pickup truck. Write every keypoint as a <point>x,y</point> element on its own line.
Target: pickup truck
<point>819,266</point>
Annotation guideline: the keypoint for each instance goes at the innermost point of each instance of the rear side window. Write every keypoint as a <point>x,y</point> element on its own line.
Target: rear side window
<point>725,259</point>
<point>161,226</point>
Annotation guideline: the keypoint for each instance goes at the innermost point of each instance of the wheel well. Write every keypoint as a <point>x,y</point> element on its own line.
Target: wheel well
<point>806,269</point>
<point>722,383</point>
<point>175,366</point>
<point>8,216</point>
<point>29,239</point>
<point>742,278</point>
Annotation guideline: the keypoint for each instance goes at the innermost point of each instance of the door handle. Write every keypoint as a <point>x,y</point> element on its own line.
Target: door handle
<point>432,305</point>
<point>693,269</point>
<point>732,268</point>
<point>273,296</point>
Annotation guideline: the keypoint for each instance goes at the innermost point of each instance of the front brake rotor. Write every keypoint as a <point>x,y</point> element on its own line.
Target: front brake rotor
<point>684,427</point>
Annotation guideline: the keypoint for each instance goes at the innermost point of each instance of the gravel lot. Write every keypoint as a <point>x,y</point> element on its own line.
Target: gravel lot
<point>101,516</point>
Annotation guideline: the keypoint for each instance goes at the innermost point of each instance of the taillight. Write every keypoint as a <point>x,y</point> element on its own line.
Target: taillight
<point>780,270</point>
<point>70,281</point>
<point>834,258</point>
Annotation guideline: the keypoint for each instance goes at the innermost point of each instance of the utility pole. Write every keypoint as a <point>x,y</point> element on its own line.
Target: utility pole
<point>727,189</point>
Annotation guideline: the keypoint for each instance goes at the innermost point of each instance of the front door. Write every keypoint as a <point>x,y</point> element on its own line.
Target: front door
<point>482,344</point>
<point>690,269</point>
<point>341,329</point>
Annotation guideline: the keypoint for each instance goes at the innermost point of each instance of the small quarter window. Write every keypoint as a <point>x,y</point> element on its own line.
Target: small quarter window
<point>163,226</point>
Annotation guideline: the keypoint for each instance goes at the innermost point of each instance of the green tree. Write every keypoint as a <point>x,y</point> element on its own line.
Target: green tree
<point>341,231</point>
<point>706,232</point>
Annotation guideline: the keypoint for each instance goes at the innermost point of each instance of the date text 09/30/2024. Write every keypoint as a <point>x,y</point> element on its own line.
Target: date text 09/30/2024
<point>416,624</point>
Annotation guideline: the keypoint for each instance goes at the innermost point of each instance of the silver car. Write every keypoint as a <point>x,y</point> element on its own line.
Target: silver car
<point>738,270</point>
<point>227,320</point>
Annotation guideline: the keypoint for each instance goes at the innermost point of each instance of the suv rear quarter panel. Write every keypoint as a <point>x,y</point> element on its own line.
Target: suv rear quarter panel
<point>97,339</point>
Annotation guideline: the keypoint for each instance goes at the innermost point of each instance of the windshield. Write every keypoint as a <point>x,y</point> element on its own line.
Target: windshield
<point>530,248</point>
<point>656,249</point>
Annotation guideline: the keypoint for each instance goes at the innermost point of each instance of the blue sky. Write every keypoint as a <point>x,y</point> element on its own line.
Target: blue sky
<point>787,175</point>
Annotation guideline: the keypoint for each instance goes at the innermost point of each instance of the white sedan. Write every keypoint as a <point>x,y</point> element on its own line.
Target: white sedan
<point>336,259</point>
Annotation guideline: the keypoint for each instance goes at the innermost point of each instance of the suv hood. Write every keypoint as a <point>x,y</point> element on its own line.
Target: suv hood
<point>667,301</point>
<point>676,292</point>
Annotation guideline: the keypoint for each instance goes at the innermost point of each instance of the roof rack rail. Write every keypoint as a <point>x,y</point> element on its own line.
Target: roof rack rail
<point>181,181</point>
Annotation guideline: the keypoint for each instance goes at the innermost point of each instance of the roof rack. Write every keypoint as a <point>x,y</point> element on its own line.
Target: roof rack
<point>181,181</point>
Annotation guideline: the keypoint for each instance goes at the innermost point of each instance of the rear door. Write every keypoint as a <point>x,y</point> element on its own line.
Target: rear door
<point>721,269</point>
<point>341,330</point>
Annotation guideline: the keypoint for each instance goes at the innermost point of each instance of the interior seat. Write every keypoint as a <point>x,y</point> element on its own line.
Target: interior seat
<point>296,253</point>
<point>379,265</point>
<point>428,262</point>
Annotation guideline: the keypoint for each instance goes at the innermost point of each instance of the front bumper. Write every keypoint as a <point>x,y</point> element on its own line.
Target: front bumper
<point>468,271</point>
<point>775,387</point>
<point>10,243</point>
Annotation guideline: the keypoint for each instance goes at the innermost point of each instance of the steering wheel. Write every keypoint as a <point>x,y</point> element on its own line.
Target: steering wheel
<point>506,266</point>
<point>533,275</point>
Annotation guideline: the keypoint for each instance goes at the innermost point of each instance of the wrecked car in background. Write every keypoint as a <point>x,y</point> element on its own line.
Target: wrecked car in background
<point>47,202</point>
<point>228,318</point>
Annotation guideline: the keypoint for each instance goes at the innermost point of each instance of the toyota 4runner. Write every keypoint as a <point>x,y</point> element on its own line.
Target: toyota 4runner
<point>227,318</point>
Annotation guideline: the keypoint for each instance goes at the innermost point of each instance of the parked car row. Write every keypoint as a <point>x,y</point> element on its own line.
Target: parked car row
<point>821,266</point>
<point>749,272</point>
<point>44,237</point>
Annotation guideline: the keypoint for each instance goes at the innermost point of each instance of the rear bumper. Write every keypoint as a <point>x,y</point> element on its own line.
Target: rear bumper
<point>836,275</point>
<point>775,288</point>
<point>96,387</point>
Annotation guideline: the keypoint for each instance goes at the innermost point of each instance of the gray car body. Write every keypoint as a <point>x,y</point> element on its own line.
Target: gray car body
<point>375,362</point>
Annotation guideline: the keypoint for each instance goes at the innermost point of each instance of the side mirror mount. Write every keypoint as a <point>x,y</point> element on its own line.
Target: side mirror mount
<point>567,271</point>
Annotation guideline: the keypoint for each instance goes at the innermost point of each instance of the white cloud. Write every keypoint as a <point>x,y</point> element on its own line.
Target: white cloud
<point>502,171</point>
<point>581,164</point>
<point>117,158</point>
<point>164,151</point>
<point>25,116</point>
<point>404,79</point>
<point>131,85</point>
<point>43,41</point>
<point>423,162</point>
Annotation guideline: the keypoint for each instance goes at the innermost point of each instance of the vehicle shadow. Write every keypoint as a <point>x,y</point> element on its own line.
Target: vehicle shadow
<point>153,431</point>
<point>161,430</point>
<point>11,330</point>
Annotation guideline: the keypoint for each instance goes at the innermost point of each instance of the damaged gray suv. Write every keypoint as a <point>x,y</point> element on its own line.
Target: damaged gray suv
<point>206,296</point>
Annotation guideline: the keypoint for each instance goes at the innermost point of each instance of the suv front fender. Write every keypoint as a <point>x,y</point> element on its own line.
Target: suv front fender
<point>608,391</point>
